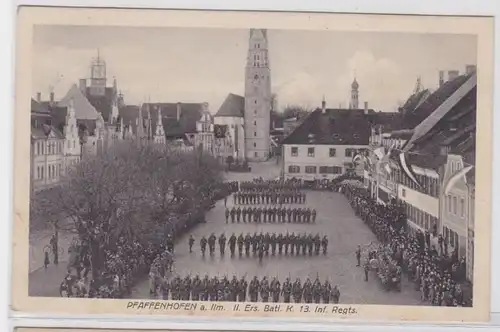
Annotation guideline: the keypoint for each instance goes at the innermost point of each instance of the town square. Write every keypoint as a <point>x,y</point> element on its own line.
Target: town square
<point>230,187</point>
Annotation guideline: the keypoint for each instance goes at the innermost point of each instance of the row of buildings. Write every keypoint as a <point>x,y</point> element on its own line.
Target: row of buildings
<point>92,115</point>
<point>421,157</point>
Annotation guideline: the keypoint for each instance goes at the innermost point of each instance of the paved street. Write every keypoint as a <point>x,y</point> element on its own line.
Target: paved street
<point>335,219</point>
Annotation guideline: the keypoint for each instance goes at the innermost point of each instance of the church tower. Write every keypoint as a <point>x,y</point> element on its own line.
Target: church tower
<point>354,104</point>
<point>258,97</point>
<point>98,76</point>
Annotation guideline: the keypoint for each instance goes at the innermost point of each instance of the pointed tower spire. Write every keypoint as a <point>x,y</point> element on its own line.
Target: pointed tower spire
<point>354,103</point>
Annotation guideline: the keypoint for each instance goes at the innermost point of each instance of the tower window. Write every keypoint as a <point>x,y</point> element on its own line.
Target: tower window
<point>255,134</point>
<point>255,123</point>
<point>255,102</point>
<point>254,145</point>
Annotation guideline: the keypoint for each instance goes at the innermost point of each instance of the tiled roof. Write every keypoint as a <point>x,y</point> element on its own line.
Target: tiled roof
<point>103,104</point>
<point>129,114</point>
<point>39,108</point>
<point>233,106</point>
<point>388,121</point>
<point>45,130</point>
<point>454,130</point>
<point>411,118</point>
<point>190,113</point>
<point>334,127</point>
<point>84,110</point>
<point>59,116</point>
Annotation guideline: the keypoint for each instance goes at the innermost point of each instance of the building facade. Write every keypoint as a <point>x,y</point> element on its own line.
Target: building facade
<point>258,97</point>
<point>47,149</point>
<point>324,144</point>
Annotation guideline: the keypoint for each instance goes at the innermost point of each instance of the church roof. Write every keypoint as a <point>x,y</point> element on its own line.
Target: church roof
<point>103,104</point>
<point>83,108</point>
<point>233,106</point>
<point>334,127</point>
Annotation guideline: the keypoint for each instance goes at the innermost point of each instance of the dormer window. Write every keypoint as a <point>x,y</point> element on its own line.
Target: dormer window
<point>335,135</point>
<point>356,136</point>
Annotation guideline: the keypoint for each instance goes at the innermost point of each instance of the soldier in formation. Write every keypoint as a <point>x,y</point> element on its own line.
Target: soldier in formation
<point>269,196</point>
<point>258,290</point>
<point>260,244</point>
<point>271,214</point>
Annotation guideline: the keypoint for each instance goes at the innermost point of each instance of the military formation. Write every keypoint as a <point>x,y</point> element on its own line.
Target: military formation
<point>269,196</point>
<point>264,244</point>
<point>234,290</point>
<point>274,214</point>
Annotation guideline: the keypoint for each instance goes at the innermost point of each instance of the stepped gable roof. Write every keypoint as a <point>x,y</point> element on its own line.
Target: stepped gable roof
<point>411,118</point>
<point>454,130</point>
<point>233,106</point>
<point>334,127</point>
<point>103,104</point>
<point>84,110</point>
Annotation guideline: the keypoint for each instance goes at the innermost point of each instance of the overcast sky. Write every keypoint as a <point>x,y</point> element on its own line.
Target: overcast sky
<point>198,65</point>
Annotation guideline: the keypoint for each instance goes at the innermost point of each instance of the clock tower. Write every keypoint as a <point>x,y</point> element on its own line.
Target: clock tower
<point>98,76</point>
<point>258,97</point>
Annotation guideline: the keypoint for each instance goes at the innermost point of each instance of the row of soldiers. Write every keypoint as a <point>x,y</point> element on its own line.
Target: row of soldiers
<point>264,244</point>
<point>261,184</point>
<point>215,289</point>
<point>269,197</point>
<point>271,214</point>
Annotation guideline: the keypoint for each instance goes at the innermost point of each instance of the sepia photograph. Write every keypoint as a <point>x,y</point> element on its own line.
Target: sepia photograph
<point>211,168</point>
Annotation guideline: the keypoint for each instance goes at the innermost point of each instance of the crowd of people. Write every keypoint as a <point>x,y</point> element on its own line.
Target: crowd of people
<point>240,290</point>
<point>127,259</point>
<point>264,244</point>
<point>280,214</point>
<point>433,271</point>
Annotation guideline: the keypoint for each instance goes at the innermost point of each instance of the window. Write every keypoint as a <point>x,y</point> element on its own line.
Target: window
<point>255,111</point>
<point>333,152</point>
<point>255,123</point>
<point>449,203</point>
<point>462,207</point>
<point>255,153</point>
<point>330,170</point>
<point>295,151</point>
<point>310,152</point>
<point>454,205</point>
<point>349,152</point>
<point>38,175</point>
<point>293,169</point>
<point>254,145</point>
<point>311,169</point>
<point>255,102</point>
<point>403,192</point>
<point>255,134</point>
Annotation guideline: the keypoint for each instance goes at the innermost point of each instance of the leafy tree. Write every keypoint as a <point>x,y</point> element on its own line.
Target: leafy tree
<point>131,192</point>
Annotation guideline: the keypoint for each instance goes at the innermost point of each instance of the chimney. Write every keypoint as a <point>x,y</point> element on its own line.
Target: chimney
<point>52,97</point>
<point>38,96</point>
<point>366,107</point>
<point>83,85</point>
<point>452,74</point>
<point>323,106</point>
<point>441,77</point>
<point>178,111</point>
<point>470,69</point>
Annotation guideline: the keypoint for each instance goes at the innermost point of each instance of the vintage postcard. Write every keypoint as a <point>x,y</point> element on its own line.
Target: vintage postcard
<point>244,164</point>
